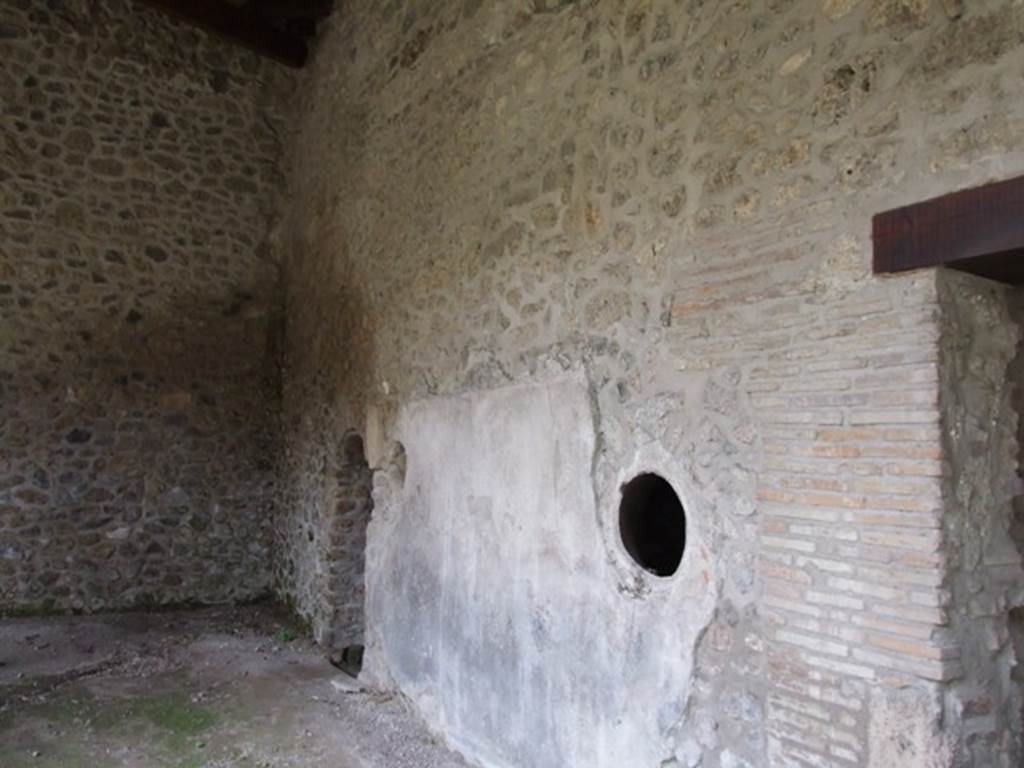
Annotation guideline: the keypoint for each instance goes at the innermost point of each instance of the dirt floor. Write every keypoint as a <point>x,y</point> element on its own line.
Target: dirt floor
<point>193,689</point>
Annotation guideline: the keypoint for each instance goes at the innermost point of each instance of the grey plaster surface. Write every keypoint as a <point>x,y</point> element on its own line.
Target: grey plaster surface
<point>494,597</point>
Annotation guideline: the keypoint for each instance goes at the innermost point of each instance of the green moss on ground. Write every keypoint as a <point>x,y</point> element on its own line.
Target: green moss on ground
<point>167,726</point>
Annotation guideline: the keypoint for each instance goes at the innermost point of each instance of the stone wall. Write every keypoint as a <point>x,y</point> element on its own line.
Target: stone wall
<point>138,376</point>
<point>344,590</point>
<point>980,404</point>
<point>671,200</point>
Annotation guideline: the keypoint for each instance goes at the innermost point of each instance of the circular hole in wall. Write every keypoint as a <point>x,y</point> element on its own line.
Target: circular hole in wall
<point>652,524</point>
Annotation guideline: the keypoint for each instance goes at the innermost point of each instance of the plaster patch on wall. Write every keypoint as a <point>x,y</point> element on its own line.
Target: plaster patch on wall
<point>905,729</point>
<point>492,601</point>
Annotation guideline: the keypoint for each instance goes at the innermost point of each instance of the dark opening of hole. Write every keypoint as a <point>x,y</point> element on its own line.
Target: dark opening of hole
<point>652,524</point>
<point>349,660</point>
<point>352,450</point>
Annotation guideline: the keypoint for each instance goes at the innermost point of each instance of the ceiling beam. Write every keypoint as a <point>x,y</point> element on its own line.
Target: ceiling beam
<point>239,25</point>
<point>291,9</point>
<point>978,230</point>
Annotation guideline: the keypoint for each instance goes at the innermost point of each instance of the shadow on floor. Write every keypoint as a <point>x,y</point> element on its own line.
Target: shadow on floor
<point>212,688</point>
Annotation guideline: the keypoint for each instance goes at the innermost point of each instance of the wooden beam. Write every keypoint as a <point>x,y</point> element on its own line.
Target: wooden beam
<point>291,9</point>
<point>978,230</point>
<point>239,25</point>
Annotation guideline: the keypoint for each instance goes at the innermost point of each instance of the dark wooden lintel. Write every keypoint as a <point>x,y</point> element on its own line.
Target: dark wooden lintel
<point>978,230</point>
<point>240,25</point>
<point>291,9</point>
